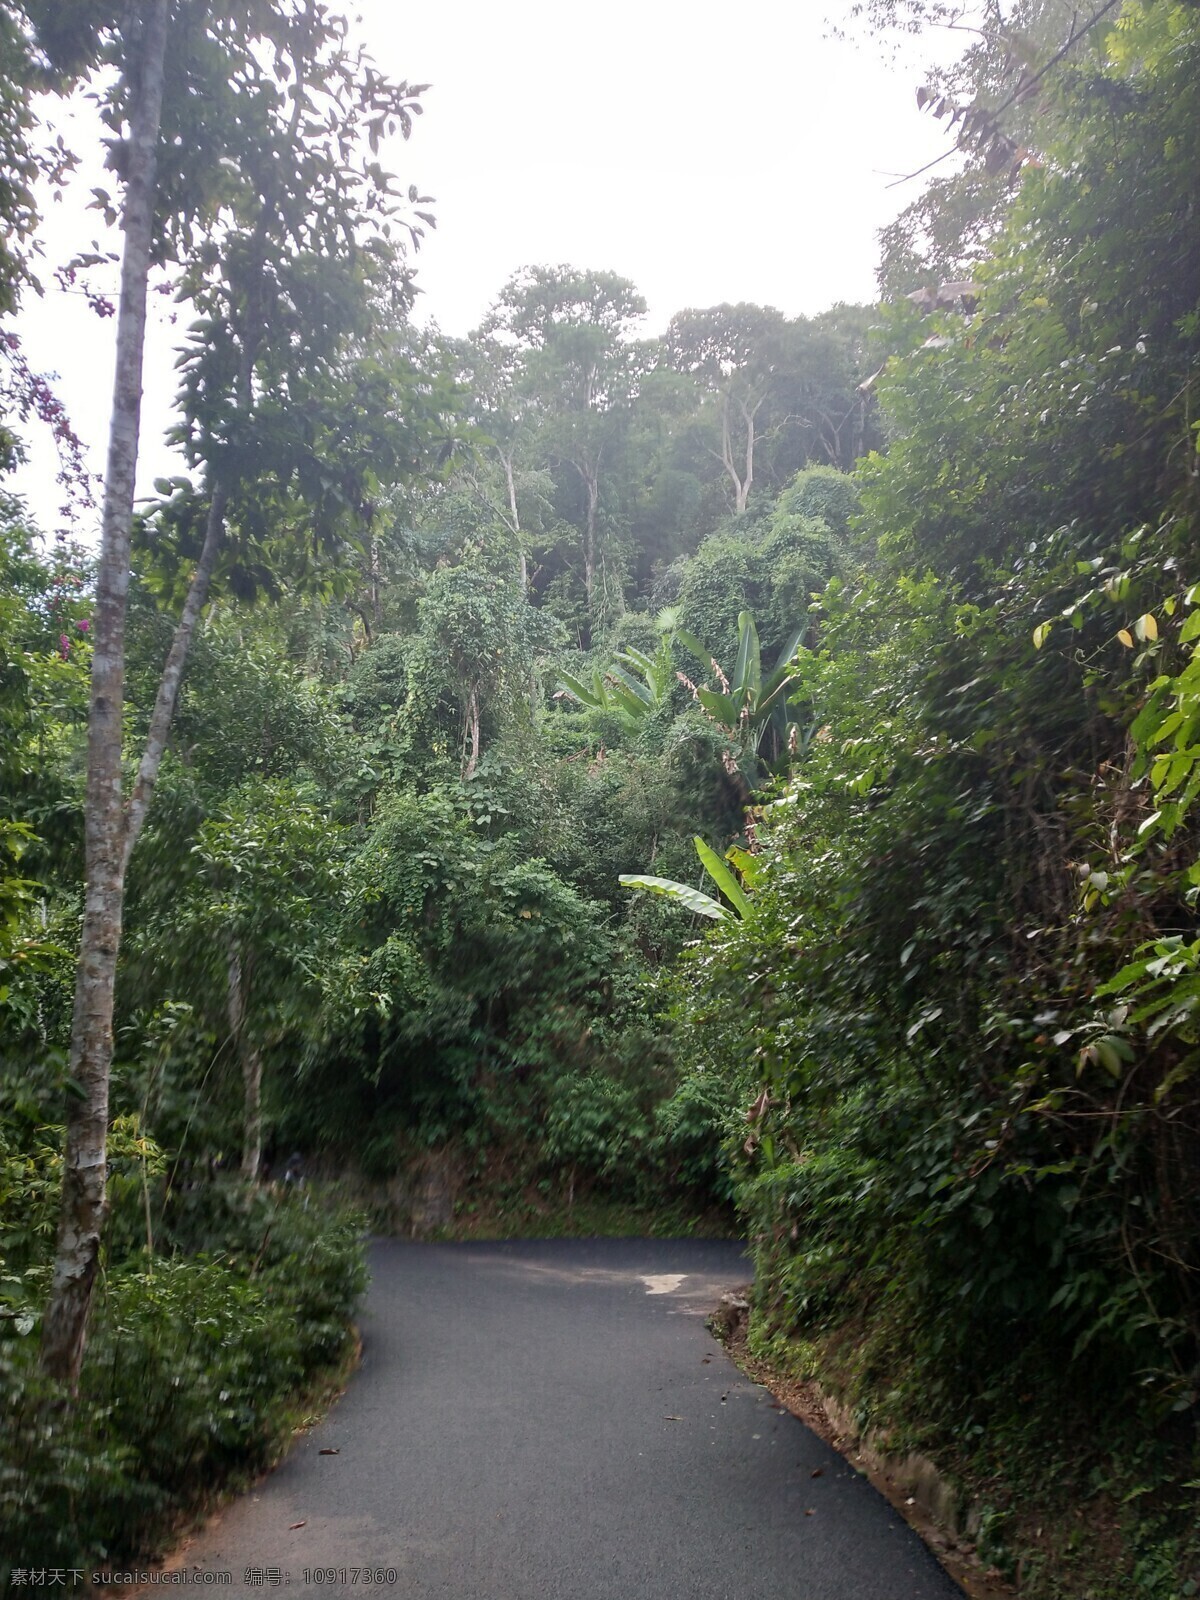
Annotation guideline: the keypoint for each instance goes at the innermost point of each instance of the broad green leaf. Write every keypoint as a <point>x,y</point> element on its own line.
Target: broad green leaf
<point>723,707</point>
<point>747,673</point>
<point>749,866</point>
<point>784,667</point>
<point>766,700</point>
<point>694,647</point>
<point>703,905</point>
<point>637,658</point>
<point>578,691</point>
<point>1169,725</point>
<point>1112,1052</point>
<point>631,693</point>
<point>722,877</point>
<point>628,703</point>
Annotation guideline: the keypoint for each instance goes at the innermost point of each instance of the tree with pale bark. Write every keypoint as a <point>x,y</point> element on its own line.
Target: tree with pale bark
<point>243,139</point>
<point>734,354</point>
<point>569,341</point>
<point>777,393</point>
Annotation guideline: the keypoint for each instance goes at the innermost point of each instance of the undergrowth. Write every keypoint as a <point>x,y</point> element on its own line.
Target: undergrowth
<point>199,1365</point>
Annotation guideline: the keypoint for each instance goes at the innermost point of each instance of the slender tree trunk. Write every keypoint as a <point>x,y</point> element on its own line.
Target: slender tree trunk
<point>591,485</point>
<point>741,477</point>
<point>471,734</point>
<point>168,688</point>
<point>727,450</point>
<point>748,414</point>
<point>593,498</point>
<point>375,581</point>
<point>516,521</point>
<point>741,486</point>
<point>81,1220</point>
<point>859,433</point>
<point>250,1058</point>
<point>514,513</point>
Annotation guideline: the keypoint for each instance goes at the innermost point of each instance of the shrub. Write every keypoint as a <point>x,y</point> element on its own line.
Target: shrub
<point>594,1126</point>
<point>189,1369</point>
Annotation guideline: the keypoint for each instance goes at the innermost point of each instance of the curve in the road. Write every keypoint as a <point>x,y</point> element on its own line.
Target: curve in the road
<point>551,1420</point>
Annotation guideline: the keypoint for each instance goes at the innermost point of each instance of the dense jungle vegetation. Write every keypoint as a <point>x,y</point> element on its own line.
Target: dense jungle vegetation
<point>865,641</point>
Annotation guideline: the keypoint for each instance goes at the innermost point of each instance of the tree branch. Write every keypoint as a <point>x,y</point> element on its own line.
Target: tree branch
<point>1023,87</point>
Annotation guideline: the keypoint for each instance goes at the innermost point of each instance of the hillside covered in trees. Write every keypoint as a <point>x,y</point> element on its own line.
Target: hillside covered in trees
<point>860,646</point>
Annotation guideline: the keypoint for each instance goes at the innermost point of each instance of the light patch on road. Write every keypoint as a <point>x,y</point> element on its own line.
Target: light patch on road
<point>663,1282</point>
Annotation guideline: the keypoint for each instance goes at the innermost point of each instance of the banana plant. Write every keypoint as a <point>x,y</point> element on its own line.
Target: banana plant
<point>748,703</point>
<point>633,687</point>
<point>695,899</point>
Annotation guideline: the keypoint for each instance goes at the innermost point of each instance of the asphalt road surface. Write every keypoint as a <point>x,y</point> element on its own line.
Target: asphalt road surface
<point>551,1420</point>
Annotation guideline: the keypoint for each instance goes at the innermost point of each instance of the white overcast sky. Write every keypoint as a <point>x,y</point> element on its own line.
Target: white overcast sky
<point>707,152</point>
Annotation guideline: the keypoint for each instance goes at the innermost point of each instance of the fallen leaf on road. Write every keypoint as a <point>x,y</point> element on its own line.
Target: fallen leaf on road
<point>672,1419</point>
<point>810,1513</point>
<point>330,1451</point>
<point>817,1472</point>
<point>294,1525</point>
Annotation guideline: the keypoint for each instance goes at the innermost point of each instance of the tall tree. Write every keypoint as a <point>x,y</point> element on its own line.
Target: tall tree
<point>278,224</point>
<point>84,1165</point>
<point>734,354</point>
<point>576,366</point>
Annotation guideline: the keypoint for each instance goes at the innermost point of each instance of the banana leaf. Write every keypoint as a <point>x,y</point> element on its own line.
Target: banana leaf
<point>782,670</point>
<point>723,707</point>
<point>722,877</point>
<point>749,867</point>
<point>747,672</point>
<point>595,698</point>
<point>694,647</point>
<point>638,659</point>
<point>619,678</point>
<point>693,899</point>
<point>626,699</point>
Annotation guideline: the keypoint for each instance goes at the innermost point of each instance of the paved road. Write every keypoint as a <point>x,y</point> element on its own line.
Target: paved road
<point>551,1420</point>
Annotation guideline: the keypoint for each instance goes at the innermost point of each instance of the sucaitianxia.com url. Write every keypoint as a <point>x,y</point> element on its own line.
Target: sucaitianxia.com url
<point>69,1577</point>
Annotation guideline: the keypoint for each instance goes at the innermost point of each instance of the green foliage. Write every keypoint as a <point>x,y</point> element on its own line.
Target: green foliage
<point>691,1127</point>
<point>633,688</point>
<point>749,701</point>
<point>939,1038</point>
<point>820,494</point>
<point>191,1364</point>
<point>692,899</point>
<point>771,568</point>
<point>593,1125</point>
<point>962,1017</point>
